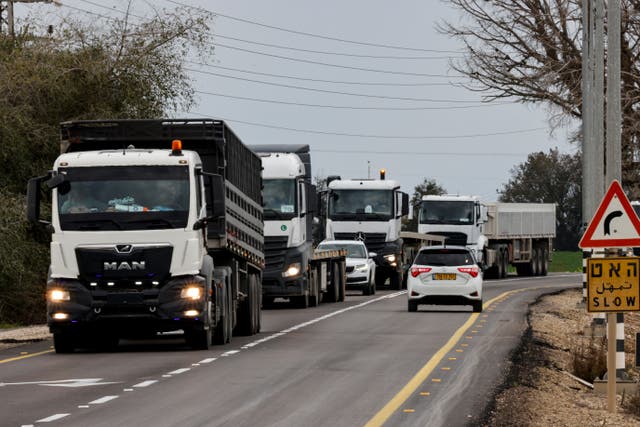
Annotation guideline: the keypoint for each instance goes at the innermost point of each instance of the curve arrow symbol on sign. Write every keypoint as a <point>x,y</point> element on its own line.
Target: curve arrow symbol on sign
<point>608,219</point>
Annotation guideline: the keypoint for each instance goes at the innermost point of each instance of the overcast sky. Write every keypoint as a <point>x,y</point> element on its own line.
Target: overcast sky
<point>365,107</point>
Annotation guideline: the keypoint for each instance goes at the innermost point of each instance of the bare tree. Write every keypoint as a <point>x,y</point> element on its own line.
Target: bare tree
<point>531,50</point>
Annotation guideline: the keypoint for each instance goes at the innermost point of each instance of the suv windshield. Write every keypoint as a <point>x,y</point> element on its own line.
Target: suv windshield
<point>374,205</point>
<point>444,257</point>
<point>125,198</point>
<point>446,212</point>
<point>353,251</point>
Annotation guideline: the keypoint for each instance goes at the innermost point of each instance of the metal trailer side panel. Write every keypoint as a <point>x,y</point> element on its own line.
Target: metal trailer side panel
<point>520,220</point>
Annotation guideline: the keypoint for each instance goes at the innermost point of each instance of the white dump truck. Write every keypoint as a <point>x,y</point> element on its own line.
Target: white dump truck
<point>520,234</point>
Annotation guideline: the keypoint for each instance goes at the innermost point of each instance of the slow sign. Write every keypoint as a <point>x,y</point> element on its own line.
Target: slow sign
<point>613,284</point>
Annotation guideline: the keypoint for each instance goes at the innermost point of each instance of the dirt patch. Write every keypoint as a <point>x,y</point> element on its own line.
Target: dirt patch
<point>538,390</point>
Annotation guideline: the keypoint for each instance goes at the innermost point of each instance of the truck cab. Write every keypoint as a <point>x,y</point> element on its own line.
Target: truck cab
<point>288,243</point>
<point>370,210</point>
<point>460,219</point>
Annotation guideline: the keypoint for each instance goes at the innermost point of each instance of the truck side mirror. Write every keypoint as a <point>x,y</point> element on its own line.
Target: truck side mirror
<point>405,204</point>
<point>34,198</point>
<point>218,195</point>
<point>312,200</point>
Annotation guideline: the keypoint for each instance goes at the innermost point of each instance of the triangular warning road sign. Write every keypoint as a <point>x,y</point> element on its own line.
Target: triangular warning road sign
<point>615,223</point>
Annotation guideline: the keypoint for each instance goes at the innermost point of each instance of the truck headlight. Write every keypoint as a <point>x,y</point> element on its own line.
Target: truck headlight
<point>361,267</point>
<point>191,292</point>
<point>390,258</point>
<point>293,270</point>
<point>59,295</point>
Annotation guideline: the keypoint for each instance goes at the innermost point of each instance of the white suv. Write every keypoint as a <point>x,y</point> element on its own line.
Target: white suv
<point>361,269</point>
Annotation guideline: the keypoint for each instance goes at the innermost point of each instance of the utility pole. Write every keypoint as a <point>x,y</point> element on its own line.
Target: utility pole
<point>602,160</point>
<point>6,10</point>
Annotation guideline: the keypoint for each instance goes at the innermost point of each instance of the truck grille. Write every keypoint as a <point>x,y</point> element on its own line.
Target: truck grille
<point>275,248</point>
<point>374,241</point>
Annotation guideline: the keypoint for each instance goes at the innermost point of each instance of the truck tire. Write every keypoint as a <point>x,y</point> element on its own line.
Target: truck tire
<point>522,269</point>
<point>342,281</point>
<point>314,287</point>
<point>533,264</point>
<point>333,293</point>
<point>381,278</point>
<point>64,342</point>
<point>545,262</point>
<point>221,331</point>
<point>412,306</point>
<point>247,321</point>
<point>504,259</point>
<point>198,339</point>
<point>396,280</point>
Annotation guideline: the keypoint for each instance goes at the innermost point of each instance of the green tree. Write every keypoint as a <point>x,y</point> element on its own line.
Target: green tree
<point>426,187</point>
<point>123,70</point>
<point>551,178</point>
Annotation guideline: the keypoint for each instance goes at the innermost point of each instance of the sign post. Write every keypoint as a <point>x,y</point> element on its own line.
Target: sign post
<point>613,283</point>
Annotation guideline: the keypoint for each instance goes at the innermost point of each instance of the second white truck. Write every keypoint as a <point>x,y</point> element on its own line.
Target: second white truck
<point>520,234</point>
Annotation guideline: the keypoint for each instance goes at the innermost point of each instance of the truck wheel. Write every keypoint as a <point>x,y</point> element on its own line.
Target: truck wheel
<point>301,301</point>
<point>64,342</point>
<point>533,264</point>
<point>381,278</point>
<point>258,304</point>
<point>522,269</point>
<point>412,306</point>
<point>342,281</point>
<point>504,259</point>
<point>198,339</point>
<point>314,288</point>
<point>334,292</point>
<point>247,311</point>
<point>396,280</point>
<point>545,262</point>
<point>221,331</point>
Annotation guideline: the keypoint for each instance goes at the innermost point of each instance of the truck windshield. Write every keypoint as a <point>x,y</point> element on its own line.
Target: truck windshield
<point>124,198</point>
<point>446,212</point>
<point>362,205</point>
<point>279,198</point>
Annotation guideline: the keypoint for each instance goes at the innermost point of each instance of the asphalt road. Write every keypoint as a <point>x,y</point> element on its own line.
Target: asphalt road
<point>366,361</point>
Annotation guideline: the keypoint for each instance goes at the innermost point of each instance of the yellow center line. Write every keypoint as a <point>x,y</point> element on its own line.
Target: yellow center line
<point>403,395</point>
<point>13,359</point>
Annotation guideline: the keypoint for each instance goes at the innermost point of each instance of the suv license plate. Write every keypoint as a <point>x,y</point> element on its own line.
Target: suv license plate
<point>444,276</point>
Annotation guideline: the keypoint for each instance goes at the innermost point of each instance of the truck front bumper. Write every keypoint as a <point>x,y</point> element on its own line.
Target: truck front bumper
<point>274,285</point>
<point>127,311</point>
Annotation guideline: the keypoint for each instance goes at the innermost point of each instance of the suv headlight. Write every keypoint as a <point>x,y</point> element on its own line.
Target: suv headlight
<point>293,270</point>
<point>390,258</point>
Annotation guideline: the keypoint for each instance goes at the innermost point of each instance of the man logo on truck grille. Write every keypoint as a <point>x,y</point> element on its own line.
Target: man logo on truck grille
<point>124,265</point>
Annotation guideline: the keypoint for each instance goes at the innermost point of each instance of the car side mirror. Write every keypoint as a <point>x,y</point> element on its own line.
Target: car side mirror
<point>372,254</point>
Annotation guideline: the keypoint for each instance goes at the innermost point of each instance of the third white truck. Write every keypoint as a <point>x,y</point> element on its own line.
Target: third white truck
<point>500,234</point>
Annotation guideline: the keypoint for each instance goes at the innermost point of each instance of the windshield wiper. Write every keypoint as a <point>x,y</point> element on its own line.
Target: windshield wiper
<point>275,213</point>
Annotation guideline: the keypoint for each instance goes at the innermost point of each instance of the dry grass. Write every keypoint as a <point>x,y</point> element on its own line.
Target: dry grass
<point>538,390</point>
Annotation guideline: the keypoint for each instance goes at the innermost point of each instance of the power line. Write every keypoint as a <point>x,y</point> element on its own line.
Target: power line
<point>335,92</point>
<point>422,153</point>
<point>373,136</point>
<point>273,27</point>
<point>324,52</point>
<point>326,64</point>
<point>284,76</point>
<point>300,104</point>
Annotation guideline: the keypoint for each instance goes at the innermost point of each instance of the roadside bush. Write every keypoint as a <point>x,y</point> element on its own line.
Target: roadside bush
<point>590,359</point>
<point>24,259</point>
